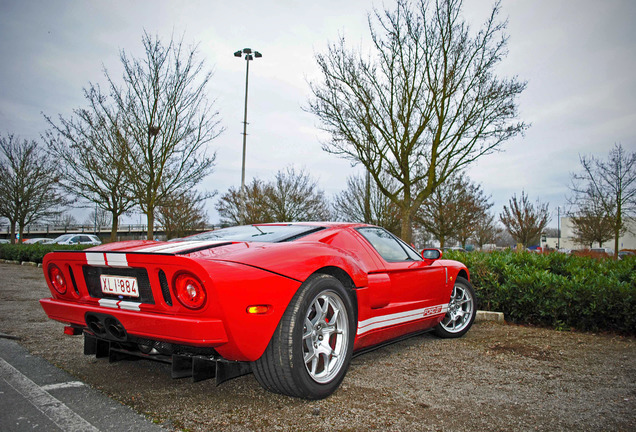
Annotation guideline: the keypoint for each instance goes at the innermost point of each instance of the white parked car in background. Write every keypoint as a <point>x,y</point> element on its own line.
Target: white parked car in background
<point>37,240</point>
<point>71,239</point>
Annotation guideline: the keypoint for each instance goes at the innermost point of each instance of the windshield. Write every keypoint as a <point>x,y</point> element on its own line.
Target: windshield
<point>64,237</point>
<point>258,233</point>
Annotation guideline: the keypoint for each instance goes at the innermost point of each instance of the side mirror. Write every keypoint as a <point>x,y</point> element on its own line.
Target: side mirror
<point>431,254</point>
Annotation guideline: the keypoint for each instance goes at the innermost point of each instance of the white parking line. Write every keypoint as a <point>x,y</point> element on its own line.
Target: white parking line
<point>68,384</point>
<point>65,418</point>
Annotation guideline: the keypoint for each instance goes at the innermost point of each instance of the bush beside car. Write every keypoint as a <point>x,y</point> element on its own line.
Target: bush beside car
<point>33,252</point>
<point>555,290</point>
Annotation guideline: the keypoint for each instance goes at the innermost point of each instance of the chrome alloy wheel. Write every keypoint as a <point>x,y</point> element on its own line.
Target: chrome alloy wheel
<point>460,310</point>
<point>325,336</point>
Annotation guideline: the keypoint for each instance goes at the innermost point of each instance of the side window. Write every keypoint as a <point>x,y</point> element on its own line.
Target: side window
<point>85,239</point>
<point>389,247</point>
<point>74,239</point>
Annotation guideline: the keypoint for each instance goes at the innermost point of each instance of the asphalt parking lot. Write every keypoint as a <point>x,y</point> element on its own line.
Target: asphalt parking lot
<point>37,396</point>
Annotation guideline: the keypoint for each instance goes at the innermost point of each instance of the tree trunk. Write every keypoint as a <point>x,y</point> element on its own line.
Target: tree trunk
<point>151,222</point>
<point>12,232</point>
<point>114,227</point>
<point>406,229</point>
<point>617,226</point>
<point>617,234</point>
<point>367,198</point>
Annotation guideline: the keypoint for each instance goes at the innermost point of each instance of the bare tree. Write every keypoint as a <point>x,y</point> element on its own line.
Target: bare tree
<point>472,207</point>
<point>295,196</point>
<point>254,208</point>
<point>166,120</point>
<point>425,103</point>
<point>590,221</point>
<point>291,196</point>
<point>93,152</point>
<point>525,221</point>
<point>437,215</point>
<point>606,190</point>
<point>357,204</point>
<point>486,230</point>
<point>28,184</point>
<point>588,229</point>
<point>66,221</point>
<point>453,209</point>
<point>184,215</point>
<point>100,218</point>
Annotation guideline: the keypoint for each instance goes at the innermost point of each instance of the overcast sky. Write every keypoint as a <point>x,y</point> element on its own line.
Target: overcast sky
<point>578,57</point>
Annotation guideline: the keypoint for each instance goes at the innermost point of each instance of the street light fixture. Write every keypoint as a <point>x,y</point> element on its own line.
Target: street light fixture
<point>248,56</point>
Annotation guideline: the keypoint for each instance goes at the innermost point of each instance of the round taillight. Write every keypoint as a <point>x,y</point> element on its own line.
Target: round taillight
<point>189,291</point>
<point>57,279</point>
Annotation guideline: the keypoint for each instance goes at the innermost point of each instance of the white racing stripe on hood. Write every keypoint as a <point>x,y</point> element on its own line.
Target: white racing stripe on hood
<point>180,246</point>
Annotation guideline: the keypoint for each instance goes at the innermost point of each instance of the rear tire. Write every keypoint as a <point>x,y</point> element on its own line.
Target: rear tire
<point>461,313</point>
<point>310,351</point>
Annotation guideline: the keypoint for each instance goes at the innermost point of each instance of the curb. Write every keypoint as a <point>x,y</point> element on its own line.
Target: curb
<point>489,316</point>
<point>24,263</point>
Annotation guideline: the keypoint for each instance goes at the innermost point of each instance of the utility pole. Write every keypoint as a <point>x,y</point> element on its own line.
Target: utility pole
<point>248,57</point>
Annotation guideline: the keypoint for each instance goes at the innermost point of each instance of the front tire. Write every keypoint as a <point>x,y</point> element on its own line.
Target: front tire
<point>461,313</point>
<point>310,351</point>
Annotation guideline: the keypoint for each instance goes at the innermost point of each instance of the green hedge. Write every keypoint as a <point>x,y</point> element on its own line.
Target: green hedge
<point>33,253</point>
<point>555,290</point>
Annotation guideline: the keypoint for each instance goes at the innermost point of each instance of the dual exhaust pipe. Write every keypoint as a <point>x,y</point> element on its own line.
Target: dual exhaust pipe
<point>106,326</point>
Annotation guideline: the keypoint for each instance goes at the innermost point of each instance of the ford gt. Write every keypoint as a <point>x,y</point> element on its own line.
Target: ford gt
<point>290,302</point>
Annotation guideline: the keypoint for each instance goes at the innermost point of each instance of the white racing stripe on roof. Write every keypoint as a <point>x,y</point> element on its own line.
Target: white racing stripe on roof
<point>164,247</point>
<point>399,318</point>
<point>95,258</point>
<point>180,246</point>
<point>116,260</point>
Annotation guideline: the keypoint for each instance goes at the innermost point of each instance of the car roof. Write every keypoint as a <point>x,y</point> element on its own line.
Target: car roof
<point>318,224</point>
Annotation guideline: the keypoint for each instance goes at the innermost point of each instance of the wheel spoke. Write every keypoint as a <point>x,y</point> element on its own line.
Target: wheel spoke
<point>325,309</point>
<point>317,307</point>
<point>308,330</point>
<point>334,318</point>
<point>314,364</point>
<point>326,362</point>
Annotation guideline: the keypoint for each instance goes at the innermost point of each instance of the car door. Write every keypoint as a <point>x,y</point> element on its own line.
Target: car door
<point>406,282</point>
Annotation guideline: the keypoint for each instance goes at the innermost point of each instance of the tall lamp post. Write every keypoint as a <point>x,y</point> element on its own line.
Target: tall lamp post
<point>248,56</point>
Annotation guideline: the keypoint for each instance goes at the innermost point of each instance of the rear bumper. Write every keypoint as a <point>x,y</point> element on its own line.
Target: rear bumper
<point>185,331</point>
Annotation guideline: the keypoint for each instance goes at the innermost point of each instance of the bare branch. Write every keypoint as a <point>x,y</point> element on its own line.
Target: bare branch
<point>426,102</point>
<point>29,188</point>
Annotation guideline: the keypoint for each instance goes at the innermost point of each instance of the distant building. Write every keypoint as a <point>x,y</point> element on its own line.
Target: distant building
<point>568,241</point>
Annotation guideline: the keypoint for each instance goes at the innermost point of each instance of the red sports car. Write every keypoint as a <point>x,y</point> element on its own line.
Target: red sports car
<point>289,302</point>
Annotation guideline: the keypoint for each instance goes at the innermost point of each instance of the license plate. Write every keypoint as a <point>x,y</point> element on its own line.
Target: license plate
<point>119,285</point>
